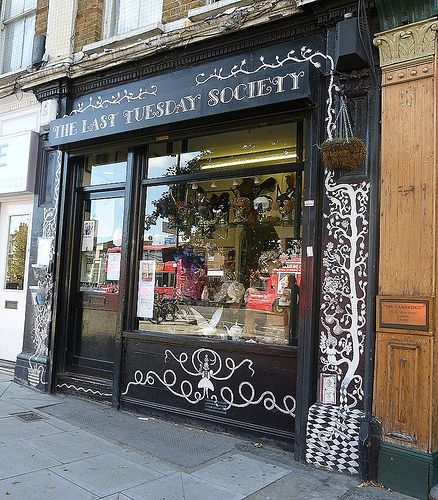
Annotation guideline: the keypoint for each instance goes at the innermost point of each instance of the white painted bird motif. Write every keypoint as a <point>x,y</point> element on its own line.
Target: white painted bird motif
<point>207,327</point>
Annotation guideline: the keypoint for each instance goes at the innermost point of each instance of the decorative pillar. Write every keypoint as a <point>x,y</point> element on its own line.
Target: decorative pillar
<point>406,382</point>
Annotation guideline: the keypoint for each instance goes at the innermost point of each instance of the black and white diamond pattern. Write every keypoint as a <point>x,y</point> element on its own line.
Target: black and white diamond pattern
<point>333,438</point>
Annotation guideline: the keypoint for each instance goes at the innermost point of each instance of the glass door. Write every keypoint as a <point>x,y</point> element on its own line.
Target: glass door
<point>97,303</point>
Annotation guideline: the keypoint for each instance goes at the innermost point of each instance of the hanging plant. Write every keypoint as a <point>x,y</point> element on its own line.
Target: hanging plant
<point>343,151</point>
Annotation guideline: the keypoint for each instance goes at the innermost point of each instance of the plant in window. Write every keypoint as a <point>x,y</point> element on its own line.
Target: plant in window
<point>179,203</point>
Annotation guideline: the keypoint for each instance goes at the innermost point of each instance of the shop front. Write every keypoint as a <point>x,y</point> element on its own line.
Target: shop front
<point>184,279</point>
<point>203,264</point>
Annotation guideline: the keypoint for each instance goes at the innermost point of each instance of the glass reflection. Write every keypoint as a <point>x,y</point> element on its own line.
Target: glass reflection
<point>17,250</point>
<point>220,259</point>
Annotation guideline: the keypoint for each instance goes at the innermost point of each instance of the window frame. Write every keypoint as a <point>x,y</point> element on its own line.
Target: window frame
<point>297,166</point>
<point>109,22</point>
<point>3,25</point>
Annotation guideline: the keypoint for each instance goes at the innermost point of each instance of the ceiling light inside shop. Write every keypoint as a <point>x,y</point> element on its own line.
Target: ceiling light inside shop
<point>283,156</point>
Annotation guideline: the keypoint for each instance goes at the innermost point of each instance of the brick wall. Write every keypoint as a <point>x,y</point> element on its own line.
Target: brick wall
<point>89,22</point>
<point>177,9</point>
<point>41,17</point>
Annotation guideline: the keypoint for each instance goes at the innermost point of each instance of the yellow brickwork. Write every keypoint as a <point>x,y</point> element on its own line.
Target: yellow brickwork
<point>89,22</point>
<point>41,17</point>
<point>178,9</point>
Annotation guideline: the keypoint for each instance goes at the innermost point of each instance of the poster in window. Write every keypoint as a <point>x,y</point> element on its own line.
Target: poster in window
<point>146,287</point>
<point>113,271</point>
<point>88,232</point>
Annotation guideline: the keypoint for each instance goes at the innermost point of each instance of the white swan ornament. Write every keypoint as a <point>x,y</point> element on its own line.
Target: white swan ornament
<point>207,327</point>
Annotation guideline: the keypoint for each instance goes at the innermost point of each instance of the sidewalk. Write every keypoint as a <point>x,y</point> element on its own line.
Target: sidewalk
<point>67,448</point>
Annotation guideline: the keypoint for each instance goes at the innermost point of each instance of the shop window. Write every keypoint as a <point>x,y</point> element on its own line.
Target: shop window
<point>221,253</point>
<point>17,251</point>
<point>104,168</point>
<point>101,241</point>
<point>18,29</point>
<point>123,16</point>
<point>251,148</point>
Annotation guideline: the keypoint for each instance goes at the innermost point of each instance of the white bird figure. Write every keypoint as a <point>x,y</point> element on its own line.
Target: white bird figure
<point>207,327</point>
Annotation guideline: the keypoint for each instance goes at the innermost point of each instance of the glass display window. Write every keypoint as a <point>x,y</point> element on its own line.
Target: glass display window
<point>232,150</point>
<point>221,256</point>
<point>104,168</point>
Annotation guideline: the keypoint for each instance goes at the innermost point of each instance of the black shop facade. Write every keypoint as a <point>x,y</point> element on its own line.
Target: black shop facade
<point>180,265</point>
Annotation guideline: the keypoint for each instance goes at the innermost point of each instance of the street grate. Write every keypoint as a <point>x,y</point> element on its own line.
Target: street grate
<point>29,416</point>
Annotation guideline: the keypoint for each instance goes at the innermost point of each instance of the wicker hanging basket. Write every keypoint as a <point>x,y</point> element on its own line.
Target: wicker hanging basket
<point>344,152</point>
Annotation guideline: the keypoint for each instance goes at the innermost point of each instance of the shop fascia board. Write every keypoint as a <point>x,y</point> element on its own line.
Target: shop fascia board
<point>83,64</point>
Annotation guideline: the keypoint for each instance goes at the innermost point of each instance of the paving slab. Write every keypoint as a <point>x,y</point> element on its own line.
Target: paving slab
<point>71,446</point>
<point>106,474</point>
<point>18,458</point>
<point>181,486</point>
<point>7,409</point>
<point>169,441</point>
<point>147,461</point>
<point>241,473</point>
<point>320,485</point>
<point>42,485</point>
<point>116,496</point>
<point>14,429</point>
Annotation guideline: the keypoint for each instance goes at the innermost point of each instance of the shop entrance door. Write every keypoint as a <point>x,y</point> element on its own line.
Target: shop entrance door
<point>96,260</point>
<point>14,235</point>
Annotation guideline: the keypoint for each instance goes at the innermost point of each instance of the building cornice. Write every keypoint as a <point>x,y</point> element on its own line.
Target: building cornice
<point>211,39</point>
<point>405,44</point>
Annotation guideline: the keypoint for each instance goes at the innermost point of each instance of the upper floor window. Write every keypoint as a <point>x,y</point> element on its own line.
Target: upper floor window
<point>123,16</point>
<point>17,32</point>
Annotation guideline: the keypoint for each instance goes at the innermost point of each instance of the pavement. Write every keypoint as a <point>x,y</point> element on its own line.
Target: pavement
<point>55,447</point>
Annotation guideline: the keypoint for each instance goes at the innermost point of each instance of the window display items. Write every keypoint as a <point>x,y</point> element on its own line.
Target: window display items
<point>225,246</point>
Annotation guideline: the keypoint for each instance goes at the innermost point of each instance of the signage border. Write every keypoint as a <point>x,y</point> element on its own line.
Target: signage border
<point>386,326</point>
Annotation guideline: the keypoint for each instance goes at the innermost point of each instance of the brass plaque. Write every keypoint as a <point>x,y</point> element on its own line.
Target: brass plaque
<point>405,314</point>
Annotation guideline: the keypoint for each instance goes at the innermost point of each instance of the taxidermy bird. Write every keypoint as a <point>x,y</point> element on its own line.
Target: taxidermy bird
<point>207,327</point>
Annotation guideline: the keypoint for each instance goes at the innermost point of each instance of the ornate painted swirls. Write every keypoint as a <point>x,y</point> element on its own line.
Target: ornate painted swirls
<point>207,367</point>
<point>85,390</point>
<point>267,397</point>
<point>344,287</point>
<point>306,55</point>
<point>42,314</point>
<point>100,103</point>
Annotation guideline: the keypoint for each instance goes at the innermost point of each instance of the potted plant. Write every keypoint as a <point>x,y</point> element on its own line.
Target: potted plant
<point>343,151</point>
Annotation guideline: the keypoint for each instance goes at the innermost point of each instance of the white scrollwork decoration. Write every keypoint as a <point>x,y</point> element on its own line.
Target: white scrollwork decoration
<point>344,286</point>
<point>100,103</point>
<point>85,390</point>
<point>42,314</point>
<point>207,367</point>
<point>306,55</point>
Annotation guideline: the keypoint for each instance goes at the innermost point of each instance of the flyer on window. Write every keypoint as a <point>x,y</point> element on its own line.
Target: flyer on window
<point>113,271</point>
<point>88,232</point>
<point>146,287</point>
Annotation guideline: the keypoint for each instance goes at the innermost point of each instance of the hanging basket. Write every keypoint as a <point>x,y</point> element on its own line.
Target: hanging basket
<point>343,151</point>
<point>343,154</point>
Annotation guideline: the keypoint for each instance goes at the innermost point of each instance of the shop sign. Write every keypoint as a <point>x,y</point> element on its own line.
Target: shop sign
<point>18,155</point>
<point>263,78</point>
<point>404,314</point>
